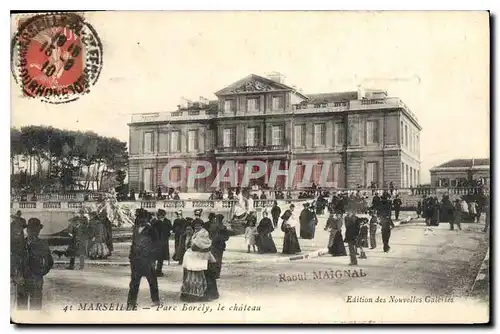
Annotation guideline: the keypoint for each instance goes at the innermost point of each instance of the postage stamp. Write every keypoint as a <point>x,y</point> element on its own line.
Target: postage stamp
<point>56,58</point>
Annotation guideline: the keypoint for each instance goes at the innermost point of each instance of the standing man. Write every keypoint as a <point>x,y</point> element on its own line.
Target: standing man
<point>275,214</point>
<point>396,203</point>
<point>37,263</point>
<point>386,223</point>
<point>142,257</point>
<point>79,231</point>
<point>163,227</point>
<point>352,229</point>
<point>17,246</point>
<point>178,229</point>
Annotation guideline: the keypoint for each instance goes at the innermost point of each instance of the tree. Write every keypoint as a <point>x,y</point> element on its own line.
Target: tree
<point>66,156</point>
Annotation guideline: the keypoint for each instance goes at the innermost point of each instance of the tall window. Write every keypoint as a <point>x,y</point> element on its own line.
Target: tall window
<point>253,104</point>
<point>175,144</point>
<point>277,135</point>
<point>148,142</point>
<point>300,135</point>
<point>175,174</point>
<point>319,134</point>
<point>403,181</point>
<point>252,136</point>
<point>407,176</point>
<point>410,183</point>
<point>228,137</point>
<point>148,179</point>
<point>339,134</point>
<point>337,175</point>
<point>192,140</point>
<point>418,143</point>
<point>401,131</point>
<point>228,105</point>
<point>406,136</point>
<point>163,142</point>
<point>371,173</point>
<point>372,132</point>
<point>277,102</point>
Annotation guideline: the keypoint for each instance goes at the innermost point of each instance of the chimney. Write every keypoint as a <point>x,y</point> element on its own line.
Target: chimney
<point>472,162</point>
<point>277,77</point>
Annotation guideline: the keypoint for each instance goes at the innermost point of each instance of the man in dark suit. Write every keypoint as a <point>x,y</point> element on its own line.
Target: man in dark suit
<point>386,222</point>
<point>396,203</point>
<point>352,229</point>
<point>37,263</point>
<point>179,229</point>
<point>79,231</point>
<point>142,257</point>
<point>163,227</point>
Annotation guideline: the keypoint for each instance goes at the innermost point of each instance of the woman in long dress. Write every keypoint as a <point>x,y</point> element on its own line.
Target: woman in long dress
<point>198,282</point>
<point>290,242</point>
<point>99,237</point>
<point>265,242</point>
<point>336,245</point>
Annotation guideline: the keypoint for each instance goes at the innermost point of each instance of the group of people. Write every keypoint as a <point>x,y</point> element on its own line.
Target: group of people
<point>30,261</point>
<point>464,209</point>
<point>199,248</point>
<point>90,236</point>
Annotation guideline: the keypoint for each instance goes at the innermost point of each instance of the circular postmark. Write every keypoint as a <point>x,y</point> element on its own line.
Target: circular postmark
<point>56,58</point>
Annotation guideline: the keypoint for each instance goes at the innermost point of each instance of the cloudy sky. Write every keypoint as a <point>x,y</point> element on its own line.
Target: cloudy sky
<point>437,62</point>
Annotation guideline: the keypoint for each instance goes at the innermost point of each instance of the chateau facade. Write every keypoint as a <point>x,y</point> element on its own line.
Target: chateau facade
<point>366,135</point>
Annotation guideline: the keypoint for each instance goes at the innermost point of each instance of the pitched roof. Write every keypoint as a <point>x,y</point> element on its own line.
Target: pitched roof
<point>465,163</point>
<point>255,77</point>
<point>331,97</point>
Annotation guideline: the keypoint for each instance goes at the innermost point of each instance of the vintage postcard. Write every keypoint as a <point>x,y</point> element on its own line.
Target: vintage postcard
<point>250,167</point>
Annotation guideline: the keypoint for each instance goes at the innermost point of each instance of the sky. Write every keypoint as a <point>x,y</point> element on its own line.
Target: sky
<point>436,62</point>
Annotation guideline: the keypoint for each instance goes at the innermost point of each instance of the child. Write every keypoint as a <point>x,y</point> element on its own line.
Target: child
<point>250,233</point>
<point>37,263</point>
<point>419,209</point>
<point>373,230</point>
<point>363,237</point>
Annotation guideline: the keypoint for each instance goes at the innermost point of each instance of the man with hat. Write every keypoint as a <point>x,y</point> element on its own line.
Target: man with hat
<point>163,228</point>
<point>37,263</point>
<point>79,231</point>
<point>305,218</point>
<point>142,257</point>
<point>179,228</point>
<point>17,227</point>
<point>197,218</point>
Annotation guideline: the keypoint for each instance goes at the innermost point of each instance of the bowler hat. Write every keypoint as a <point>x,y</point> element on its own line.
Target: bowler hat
<point>35,223</point>
<point>198,212</point>
<point>306,204</point>
<point>161,212</point>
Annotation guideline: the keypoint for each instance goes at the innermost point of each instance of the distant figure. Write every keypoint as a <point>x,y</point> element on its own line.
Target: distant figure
<point>396,203</point>
<point>290,242</point>
<point>79,231</point>
<point>275,214</point>
<point>335,242</point>
<point>250,236</point>
<point>265,242</point>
